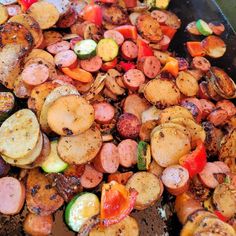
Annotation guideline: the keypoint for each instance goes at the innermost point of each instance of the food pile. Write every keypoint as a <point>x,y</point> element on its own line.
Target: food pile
<point>109,119</point>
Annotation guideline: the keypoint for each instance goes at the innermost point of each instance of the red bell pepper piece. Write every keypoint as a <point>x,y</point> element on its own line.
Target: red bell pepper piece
<point>196,160</point>
<point>168,31</point>
<point>107,1</point>
<point>126,65</point>
<point>171,66</point>
<point>92,13</point>
<point>144,49</point>
<point>25,4</point>
<point>128,31</point>
<point>195,49</point>
<point>109,65</point>
<point>130,3</point>
<point>116,203</point>
<point>220,216</point>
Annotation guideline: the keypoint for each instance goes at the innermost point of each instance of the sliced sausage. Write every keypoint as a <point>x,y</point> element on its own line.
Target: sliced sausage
<point>150,66</point>
<point>127,150</point>
<point>12,195</point>
<point>74,41</point>
<point>207,176</point>
<point>35,74</point>
<point>14,10</point>
<point>182,63</point>
<point>58,47</point>
<point>38,225</point>
<point>104,112</point>
<point>228,106</point>
<point>201,63</point>
<point>217,28</point>
<point>203,92</point>
<point>120,178</point>
<point>107,160</point>
<point>176,179</point>
<point>197,74</point>
<point>129,50</point>
<point>160,16</point>
<point>65,58</point>
<point>197,114</point>
<point>4,167</point>
<point>224,168</point>
<point>67,19</point>
<point>74,170</point>
<point>218,116</point>
<point>133,79</point>
<point>91,177</point>
<point>207,107</point>
<point>192,28</point>
<point>164,42</point>
<point>91,65</point>
<point>128,126</point>
<point>113,34</point>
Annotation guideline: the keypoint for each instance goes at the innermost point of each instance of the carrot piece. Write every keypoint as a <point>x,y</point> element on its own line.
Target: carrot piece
<point>120,178</point>
<point>172,66</point>
<point>78,74</point>
<point>195,49</point>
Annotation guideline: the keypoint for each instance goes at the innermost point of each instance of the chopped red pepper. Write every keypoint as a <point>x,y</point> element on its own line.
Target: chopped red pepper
<point>107,1</point>
<point>130,3</point>
<point>128,31</point>
<point>195,49</point>
<point>196,160</point>
<point>109,65</point>
<point>25,4</point>
<point>168,31</point>
<point>116,202</point>
<point>220,216</point>
<point>144,49</point>
<point>92,13</point>
<point>126,65</point>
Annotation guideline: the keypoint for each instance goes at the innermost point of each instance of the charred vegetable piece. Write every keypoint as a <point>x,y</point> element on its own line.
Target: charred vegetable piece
<point>144,155</point>
<point>7,103</point>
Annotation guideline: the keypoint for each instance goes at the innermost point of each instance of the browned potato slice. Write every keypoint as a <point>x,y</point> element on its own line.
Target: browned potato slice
<point>46,14</point>
<point>162,93</point>
<point>149,188</point>
<point>81,148</point>
<point>39,53</point>
<point>51,37</point>
<point>30,24</point>
<point>19,134</point>
<point>172,20</point>
<point>3,14</point>
<point>187,84</point>
<point>21,89</point>
<point>168,145</point>
<point>175,112</point>
<point>70,115</point>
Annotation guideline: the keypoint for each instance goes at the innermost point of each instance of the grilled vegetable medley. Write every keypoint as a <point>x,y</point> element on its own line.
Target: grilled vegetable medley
<point>100,119</point>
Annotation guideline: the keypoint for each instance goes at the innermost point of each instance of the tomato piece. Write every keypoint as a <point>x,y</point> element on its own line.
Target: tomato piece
<point>78,74</point>
<point>25,4</point>
<point>127,65</point>
<point>171,66</point>
<point>144,49</point>
<point>168,31</point>
<point>196,160</point>
<point>116,203</point>
<point>220,216</point>
<point>195,49</point>
<point>128,31</point>
<point>92,13</point>
<point>109,65</point>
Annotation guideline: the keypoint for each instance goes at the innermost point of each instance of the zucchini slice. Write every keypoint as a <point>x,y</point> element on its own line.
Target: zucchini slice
<point>80,209</point>
<point>85,49</point>
<point>53,163</point>
<point>144,155</point>
<point>7,103</point>
<point>107,49</point>
<point>203,27</point>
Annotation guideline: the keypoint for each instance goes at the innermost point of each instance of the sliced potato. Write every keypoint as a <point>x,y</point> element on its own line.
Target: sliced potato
<point>62,5</point>
<point>70,115</point>
<point>151,113</point>
<point>39,53</point>
<point>19,134</point>
<point>30,24</point>
<point>21,89</point>
<point>80,149</point>
<point>148,186</point>
<point>175,112</point>
<point>162,56</point>
<point>168,145</point>
<point>51,37</point>
<point>197,132</point>
<point>3,14</point>
<point>29,158</point>
<point>127,227</point>
<point>46,14</point>
<point>53,96</point>
<point>187,84</point>
<point>162,93</point>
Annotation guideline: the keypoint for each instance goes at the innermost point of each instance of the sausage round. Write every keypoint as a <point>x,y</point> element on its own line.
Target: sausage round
<point>113,34</point>
<point>194,109</point>
<point>218,117</point>
<point>203,91</point>
<point>207,107</point>
<point>150,66</point>
<point>201,63</point>
<point>128,126</point>
<point>12,195</point>
<point>182,63</point>
<point>176,179</point>
<point>133,78</point>
<point>160,16</point>
<point>67,19</point>
<point>91,65</point>
<point>228,106</point>
<point>128,152</point>
<point>104,112</point>
<point>58,47</point>
<point>65,58</point>
<point>4,167</point>
<point>91,177</point>
<point>129,50</point>
<point>192,28</point>
<point>107,160</point>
